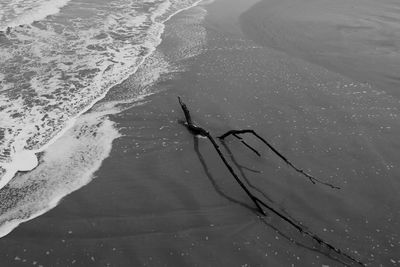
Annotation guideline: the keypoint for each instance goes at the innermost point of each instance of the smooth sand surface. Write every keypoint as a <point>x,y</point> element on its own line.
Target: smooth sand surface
<point>164,198</point>
<point>358,38</point>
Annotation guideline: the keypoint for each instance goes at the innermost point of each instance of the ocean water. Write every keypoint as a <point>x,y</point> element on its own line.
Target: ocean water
<point>58,59</point>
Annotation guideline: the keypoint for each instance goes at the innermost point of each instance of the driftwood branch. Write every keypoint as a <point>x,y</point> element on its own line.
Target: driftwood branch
<point>246,144</point>
<point>236,133</point>
<point>281,214</point>
<point>200,131</point>
<point>241,169</point>
<point>197,130</point>
<point>211,178</point>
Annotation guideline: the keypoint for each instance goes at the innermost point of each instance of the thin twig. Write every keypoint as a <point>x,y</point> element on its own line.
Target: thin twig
<point>234,174</point>
<point>247,145</point>
<point>240,168</point>
<point>312,179</point>
<point>200,131</point>
<point>211,178</point>
<point>197,130</point>
<point>308,233</point>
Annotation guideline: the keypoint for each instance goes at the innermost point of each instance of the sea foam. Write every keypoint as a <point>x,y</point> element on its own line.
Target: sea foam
<point>66,68</point>
<point>15,13</point>
<point>67,165</point>
<point>69,160</point>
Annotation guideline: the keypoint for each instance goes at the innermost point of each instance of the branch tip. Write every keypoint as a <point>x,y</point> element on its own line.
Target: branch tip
<point>197,130</point>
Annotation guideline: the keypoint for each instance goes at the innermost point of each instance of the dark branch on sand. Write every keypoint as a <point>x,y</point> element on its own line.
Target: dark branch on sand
<point>246,144</point>
<point>197,130</point>
<point>236,133</point>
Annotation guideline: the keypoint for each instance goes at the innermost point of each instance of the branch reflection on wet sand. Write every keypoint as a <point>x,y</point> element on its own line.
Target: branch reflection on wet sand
<point>319,248</point>
<point>199,131</point>
<point>211,178</point>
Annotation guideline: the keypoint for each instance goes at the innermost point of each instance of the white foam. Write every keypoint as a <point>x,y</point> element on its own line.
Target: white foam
<point>29,11</point>
<point>67,165</point>
<point>69,162</point>
<point>71,158</point>
<point>190,33</point>
<point>22,161</point>
<point>63,118</point>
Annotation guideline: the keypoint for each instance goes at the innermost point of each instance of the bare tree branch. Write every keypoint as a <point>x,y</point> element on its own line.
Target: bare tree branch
<point>197,130</point>
<point>235,133</point>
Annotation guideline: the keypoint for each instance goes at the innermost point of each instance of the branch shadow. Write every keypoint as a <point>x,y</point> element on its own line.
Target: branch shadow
<point>241,171</point>
<point>324,251</point>
<point>320,249</point>
<point>211,178</point>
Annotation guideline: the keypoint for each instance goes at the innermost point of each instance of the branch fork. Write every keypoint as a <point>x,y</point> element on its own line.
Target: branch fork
<point>197,130</point>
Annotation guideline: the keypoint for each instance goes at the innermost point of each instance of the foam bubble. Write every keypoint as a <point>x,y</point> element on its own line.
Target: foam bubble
<point>21,161</point>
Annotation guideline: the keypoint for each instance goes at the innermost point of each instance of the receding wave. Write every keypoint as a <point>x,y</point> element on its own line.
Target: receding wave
<point>54,70</point>
<point>70,160</point>
<point>66,166</point>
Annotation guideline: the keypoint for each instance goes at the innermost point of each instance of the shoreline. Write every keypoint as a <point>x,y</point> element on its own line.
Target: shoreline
<point>163,197</point>
<point>11,225</point>
<point>33,160</point>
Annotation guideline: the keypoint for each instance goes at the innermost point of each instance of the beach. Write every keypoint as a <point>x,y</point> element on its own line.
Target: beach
<point>160,196</point>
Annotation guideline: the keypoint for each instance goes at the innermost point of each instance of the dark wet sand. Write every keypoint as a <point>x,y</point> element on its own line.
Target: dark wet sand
<point>358,39</point>
<point>163,198</point>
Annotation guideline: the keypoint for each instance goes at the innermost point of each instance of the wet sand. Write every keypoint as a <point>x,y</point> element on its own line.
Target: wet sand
<point>164,198</point>
<point>358,39</point>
